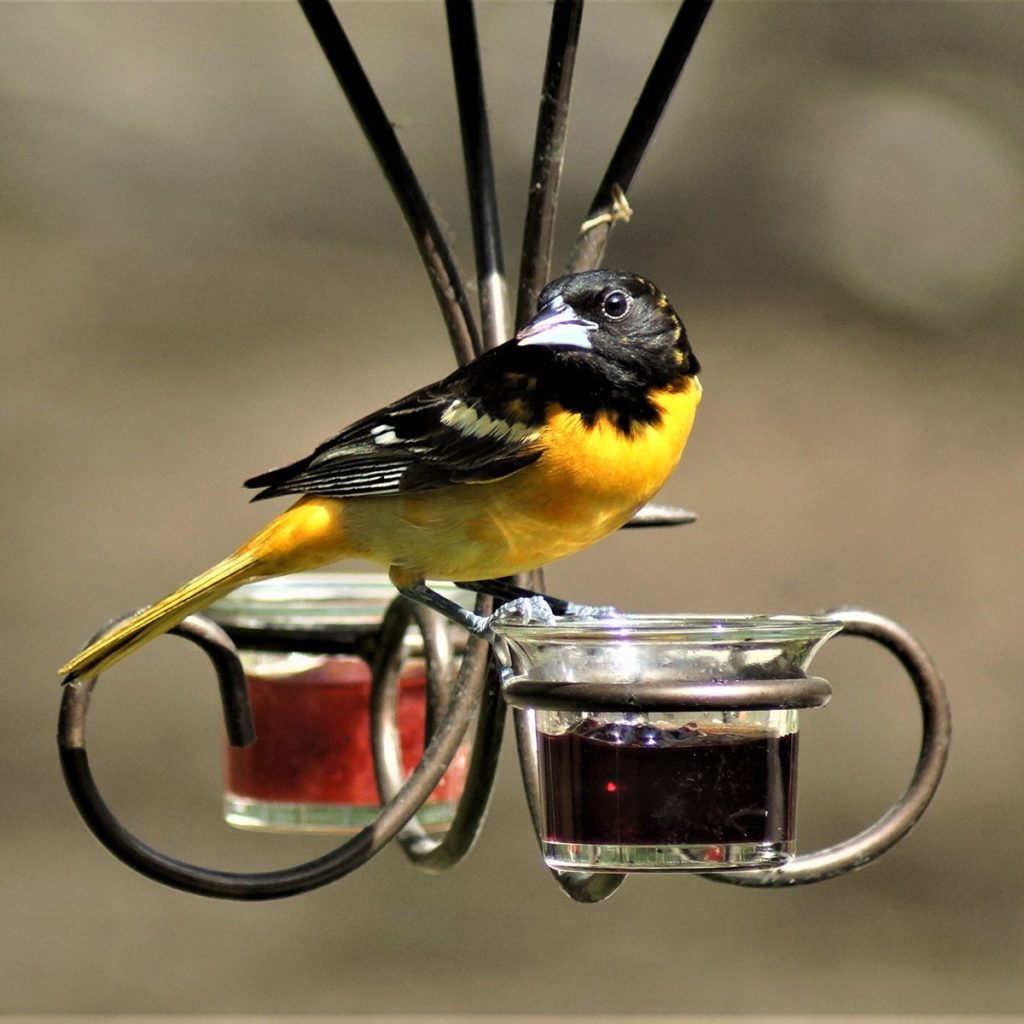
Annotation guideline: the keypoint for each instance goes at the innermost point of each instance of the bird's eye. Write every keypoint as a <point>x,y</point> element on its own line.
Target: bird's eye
<point>616,305</point>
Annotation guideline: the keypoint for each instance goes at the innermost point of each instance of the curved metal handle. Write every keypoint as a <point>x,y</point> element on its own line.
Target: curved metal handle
<point>903,815</point>
<point>432,853</point>
<point>263,885</point>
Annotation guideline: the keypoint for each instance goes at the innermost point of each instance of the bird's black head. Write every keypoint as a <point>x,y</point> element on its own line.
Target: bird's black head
<point>617,319</point>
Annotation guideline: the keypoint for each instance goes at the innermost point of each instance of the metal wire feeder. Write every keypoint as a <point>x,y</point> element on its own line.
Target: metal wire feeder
<point>475,693</point>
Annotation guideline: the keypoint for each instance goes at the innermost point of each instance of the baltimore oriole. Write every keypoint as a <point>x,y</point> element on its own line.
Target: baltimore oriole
<point>535,450</point>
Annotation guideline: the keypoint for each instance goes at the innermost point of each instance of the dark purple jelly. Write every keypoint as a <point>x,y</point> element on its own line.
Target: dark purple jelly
<point>625,785</point>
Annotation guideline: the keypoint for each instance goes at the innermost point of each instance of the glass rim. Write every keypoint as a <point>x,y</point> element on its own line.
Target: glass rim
<point>700,627</point>
<point>357,598</point>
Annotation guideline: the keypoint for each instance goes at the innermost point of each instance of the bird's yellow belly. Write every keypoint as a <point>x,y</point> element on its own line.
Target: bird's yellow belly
<point>586,484</point>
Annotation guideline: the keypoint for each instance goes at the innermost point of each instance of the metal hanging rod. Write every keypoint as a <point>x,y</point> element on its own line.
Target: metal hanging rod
<point>433,248</point>
<point>548,155</point>
<point>476,150</point>
<point>608,204</point>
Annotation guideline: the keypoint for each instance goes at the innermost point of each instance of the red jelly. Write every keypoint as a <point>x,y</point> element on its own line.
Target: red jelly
<point>311,767</point>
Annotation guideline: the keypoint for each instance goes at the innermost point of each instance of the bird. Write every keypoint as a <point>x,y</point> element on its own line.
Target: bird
<point>534,450</point>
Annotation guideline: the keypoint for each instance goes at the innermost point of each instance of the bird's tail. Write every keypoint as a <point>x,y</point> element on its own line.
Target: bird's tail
<point>158,618</point>
<point>310,534</point>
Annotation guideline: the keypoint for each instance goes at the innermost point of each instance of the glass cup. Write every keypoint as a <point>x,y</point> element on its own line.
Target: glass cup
<point>304,641</point>
<point>665,742</point>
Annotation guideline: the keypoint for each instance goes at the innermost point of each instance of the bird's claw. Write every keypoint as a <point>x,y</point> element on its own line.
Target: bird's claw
<point>535,610</point>
<point>524,611</point>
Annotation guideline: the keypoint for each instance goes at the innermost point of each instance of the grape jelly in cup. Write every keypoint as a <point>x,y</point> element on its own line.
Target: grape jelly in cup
<point>304,641</point>
<point>665,742</point>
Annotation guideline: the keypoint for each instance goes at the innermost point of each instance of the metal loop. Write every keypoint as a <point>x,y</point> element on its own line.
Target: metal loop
<point>385,694</point>
<point>903,815</point>
<point>678,695</point>
<point>231,681</point>
<point>432,853</point>
<point>262,885</point>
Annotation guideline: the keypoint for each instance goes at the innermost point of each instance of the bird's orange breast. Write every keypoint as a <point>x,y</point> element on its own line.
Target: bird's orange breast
<point>601,466</point>
<point>589,481</point>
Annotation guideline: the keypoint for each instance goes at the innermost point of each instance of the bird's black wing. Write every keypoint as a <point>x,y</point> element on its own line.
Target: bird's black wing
<point>435,437</point>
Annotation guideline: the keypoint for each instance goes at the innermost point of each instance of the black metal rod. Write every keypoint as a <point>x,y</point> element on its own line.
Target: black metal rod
<point>668,66</point>
<point>548,155</point>
<point>476,150</point>
<point>234,687</point>
<point>440,264</point>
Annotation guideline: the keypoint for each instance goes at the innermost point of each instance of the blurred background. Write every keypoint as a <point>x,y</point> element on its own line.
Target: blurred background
<point>203,275</point>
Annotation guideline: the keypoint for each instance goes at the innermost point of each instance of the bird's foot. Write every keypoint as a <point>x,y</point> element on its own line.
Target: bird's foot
<point>522,611</point>
<point>525,609</point>
<point>536,609</point>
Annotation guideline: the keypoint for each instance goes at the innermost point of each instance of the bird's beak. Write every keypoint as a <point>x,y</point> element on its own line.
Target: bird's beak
<point>557,324</point>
